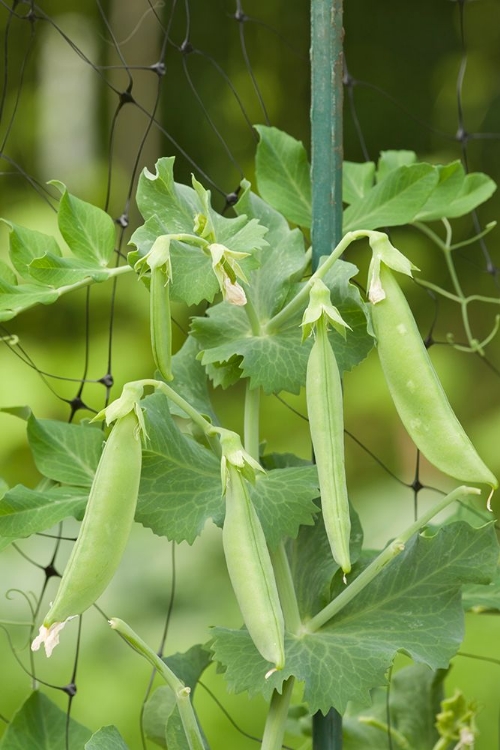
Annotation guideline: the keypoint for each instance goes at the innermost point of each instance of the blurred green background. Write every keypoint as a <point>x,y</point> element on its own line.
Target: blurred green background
<point>59,119</point>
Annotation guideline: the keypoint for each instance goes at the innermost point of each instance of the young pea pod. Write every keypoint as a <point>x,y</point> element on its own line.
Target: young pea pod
<point>326,424</point>
<point>157,262</point>
<point>251,571</point>
<point>160,322</point>
<point>416,389</point>
<point>104,532</point>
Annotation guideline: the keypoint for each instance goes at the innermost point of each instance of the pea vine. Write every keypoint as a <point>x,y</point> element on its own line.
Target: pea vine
<point>323,618</point>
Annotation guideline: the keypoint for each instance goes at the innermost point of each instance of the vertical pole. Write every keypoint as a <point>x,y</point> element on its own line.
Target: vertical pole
<point>326,174</point>
<point>326,125</point>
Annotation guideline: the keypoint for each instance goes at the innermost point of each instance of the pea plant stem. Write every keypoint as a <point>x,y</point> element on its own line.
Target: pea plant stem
<point>274,730</point>
<point>383,559</point>
<point>181,692</point>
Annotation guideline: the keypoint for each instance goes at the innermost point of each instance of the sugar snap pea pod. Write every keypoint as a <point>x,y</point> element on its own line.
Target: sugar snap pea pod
<point>104,531</point>
<point>326,424</point>
<point>251,571</point>
<point>157,262</point>
<point>416,389</point>
<point>160,322</point>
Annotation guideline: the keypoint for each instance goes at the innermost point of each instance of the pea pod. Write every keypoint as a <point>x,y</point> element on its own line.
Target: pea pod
<point>251,571</point>
<point>416,389</point>
<point>104,532</point>
<point>160,322</point>
<point>326,424</point>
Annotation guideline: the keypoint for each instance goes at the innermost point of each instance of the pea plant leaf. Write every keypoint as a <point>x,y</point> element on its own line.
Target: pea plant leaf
<point>67,453</point>
<point>106,738</point>
<point>477,598</point>
<point>393,159</point>
<point>24,512</point>
<point>278,361</point>
<point>193,279</point>
<point>52,270</point>
<point>190,381</point>
<point>170,208</point>
<point>283,499</point>
<point>161,719</point>
<point>15,298</point>
<point>41,725</point>
<point>456,193</point>
<point>393,201</point>
<point>414,605</point>
<point>27,244</point>
<point>313,567</point>
<point>282,171</point>
<point>281,261</point>
<point>88,230</point>
<point>357,179</point>
<point>181,485</point>
<point>413,702</point>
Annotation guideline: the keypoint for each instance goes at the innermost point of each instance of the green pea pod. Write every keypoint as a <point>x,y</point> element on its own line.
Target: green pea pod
<point>104,531</point>
<point>251,571</point>
<point>160,322</point>
<point>326,424</point>
<point>417,392</point>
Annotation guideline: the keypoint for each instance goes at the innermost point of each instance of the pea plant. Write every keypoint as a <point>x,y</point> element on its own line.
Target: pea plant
<point>322,617</point>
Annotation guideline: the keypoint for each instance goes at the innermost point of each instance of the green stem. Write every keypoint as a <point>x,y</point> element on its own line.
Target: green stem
<point>398,738</point>
<point>274,730</point>
<point>286,589</point>
<point>384,558</point>
<point>251,421</point>
<point>300,300</point>
<point>252,317</point>
<point>181,692</point>
<point>112,272</point>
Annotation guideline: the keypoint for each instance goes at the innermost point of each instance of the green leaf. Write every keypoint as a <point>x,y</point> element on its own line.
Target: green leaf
<point>7,274</point>
<point>161,720</point>
<point>27,244</point>
<point>173,205</point>
<point>283,177</point>
<point>357,179</point>
<point>16,298</point>
<point>391,160</point>
<point>106,738</point>
<point>193,279</point>
<point>24,512</point>
<point>157,711</point>
<point>67,453</point>
<point>180,484</point>
<point>414,605</point>
<point>395,200</point>
<point>456,193</point>
<point>313,567</point>
<point>414,701</point>
<point>190,381</point>
<point>54,271</point>
<point>4,542</point>
<point>477,598</point>
<point>170,208</point>
<point>283,499</point>
<point>88,230</point>
<point>277,362</point>
<point>190,665</point>
<point>280,262</point>
<point>40,725</point>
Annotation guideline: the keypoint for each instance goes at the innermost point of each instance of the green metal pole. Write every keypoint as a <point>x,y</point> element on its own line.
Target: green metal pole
<point>326,125</point>
<point>326,174</point>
